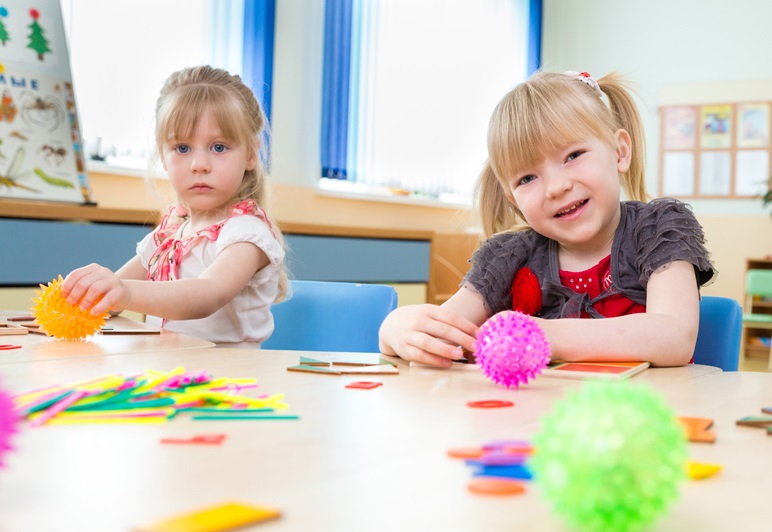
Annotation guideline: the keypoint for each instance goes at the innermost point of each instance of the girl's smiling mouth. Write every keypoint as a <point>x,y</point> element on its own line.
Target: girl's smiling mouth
<point>572,208</point>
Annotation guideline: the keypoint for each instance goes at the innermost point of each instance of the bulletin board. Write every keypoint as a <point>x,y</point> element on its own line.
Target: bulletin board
<point>41,153</point>
<point>715,151</point>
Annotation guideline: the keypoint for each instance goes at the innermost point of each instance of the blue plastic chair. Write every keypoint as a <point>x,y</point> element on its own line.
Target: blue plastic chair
<point>718,338</point>
<point>331,316</point>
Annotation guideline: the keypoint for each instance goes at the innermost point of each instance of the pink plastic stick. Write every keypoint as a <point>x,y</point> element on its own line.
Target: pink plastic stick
<point>24,409</point>
<point>58,407</point>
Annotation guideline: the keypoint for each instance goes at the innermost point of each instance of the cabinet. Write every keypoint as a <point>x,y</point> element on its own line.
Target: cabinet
<point>756,341</point>
<point>46,239</point>
<point>398,257</point>
<point>43,240</point>
<point>412,259</point>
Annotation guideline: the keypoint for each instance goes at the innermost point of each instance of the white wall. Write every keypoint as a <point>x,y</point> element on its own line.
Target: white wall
<point>664,45</point>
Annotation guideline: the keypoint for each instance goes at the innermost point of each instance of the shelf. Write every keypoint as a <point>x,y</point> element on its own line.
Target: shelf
<point>290,228</point>
<point>754,349</point>
<point>93,213</point>
<point>74,212</point>
<point>759,264</point>
<point>757,351</point>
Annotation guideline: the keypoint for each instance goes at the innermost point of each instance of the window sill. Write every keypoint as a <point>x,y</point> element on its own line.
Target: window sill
<point>125,167</point>
<point>355,191</point>
<point>326,187</point>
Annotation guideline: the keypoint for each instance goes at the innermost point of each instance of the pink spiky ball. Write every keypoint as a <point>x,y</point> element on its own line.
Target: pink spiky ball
<point>8,420</point>
<point>511,349</point>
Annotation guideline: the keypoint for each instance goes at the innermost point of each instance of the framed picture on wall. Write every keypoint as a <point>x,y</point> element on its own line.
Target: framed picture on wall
<point>715,173</point>
<point>714,151</point>
<point>753,125</point>
<point>716,126</point>
<point>752,175</point>
<point>41,153</point>
<point>680,126</point>
<point>678,174</point>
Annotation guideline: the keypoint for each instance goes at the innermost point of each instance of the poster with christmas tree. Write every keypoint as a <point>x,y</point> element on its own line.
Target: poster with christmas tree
<point>41,152</point>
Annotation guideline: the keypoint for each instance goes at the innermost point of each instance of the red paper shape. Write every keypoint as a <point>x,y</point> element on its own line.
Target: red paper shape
<point>364,385</point>
<point>490,403</point>
<point>206,439</point>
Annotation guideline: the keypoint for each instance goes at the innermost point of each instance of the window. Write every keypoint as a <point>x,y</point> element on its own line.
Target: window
<point>122,51</point>
<point>409,87</point>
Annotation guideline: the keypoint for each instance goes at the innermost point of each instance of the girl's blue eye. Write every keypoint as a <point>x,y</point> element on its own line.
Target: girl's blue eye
<point>182,148</point>
<point>219,148</point>
<point>574,155</point>
<point>525,180</point>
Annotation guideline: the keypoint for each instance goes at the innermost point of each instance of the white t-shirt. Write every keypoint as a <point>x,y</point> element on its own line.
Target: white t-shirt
<point>247,317</point>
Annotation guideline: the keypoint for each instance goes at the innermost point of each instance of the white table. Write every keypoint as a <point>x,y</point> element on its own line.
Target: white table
<point>40,347</point>
<point>356,459</point>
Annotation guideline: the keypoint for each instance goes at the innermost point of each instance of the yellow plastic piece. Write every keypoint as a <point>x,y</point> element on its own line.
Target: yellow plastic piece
<point>156,378</point>
<point>86,420</point>
<point>227,516</point>
<point>61,320</point>
<point>699,471</point>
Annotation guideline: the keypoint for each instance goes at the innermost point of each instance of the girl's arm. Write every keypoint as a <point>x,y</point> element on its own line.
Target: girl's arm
<point>664,335</point>
<point>431,334</point>
<point>183,299</point>
<point>132,270</point>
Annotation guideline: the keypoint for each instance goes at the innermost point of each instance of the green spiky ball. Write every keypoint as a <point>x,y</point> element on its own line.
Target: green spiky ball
<point>610,456</point>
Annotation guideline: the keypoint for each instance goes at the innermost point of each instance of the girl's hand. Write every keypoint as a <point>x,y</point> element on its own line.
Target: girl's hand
<point>95,288</point>
<point>427,334</point>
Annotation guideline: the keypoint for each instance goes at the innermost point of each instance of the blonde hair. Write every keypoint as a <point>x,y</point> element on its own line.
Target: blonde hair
<point>192,92</point>
<point>550,111</point>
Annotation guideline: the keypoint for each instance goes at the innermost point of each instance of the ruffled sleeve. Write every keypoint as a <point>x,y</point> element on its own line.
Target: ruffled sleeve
<point>494,266</point>
<point>666,231</point>
<point>254,230</point>
<point>145,248</point>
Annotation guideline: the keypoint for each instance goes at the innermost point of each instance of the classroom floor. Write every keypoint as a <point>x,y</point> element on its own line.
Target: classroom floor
<point>753,364</point>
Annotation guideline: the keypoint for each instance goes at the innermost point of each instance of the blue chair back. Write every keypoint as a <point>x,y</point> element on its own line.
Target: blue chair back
<point>331,316</point>
<point>718,339</point>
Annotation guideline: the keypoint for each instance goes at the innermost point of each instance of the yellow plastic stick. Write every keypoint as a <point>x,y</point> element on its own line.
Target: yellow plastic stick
<point>227,516</point>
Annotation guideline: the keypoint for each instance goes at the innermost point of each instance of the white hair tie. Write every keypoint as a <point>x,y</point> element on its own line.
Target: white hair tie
<point>587,79</point>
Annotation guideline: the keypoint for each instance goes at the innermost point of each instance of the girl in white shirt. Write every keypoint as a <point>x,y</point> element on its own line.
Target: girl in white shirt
<point>219,247</point>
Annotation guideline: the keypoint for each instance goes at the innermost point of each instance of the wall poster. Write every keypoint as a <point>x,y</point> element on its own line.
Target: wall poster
<point>680,125</point>
<point>716,123</point>
<point>41,153</point>
<point>715,151</point>
<point>753,125</point>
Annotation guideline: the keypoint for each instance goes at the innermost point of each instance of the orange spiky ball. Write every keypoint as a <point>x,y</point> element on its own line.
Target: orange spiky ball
<point>61,320</point>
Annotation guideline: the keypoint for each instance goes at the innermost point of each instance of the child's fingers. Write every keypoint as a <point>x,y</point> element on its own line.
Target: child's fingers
<point>455,320</point>
<point>89,299</point>
<point>415,354</point>
<point>71,281</point>
<point>76,293</point>
<point>88,290</point>
<point>78,280</point>
<point>449,334</point>
<point>101,306</point>
<point>427,344</point>
<point>104,293</point>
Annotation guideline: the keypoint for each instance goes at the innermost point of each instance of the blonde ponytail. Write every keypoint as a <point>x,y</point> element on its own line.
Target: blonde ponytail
<point>625,113</point>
